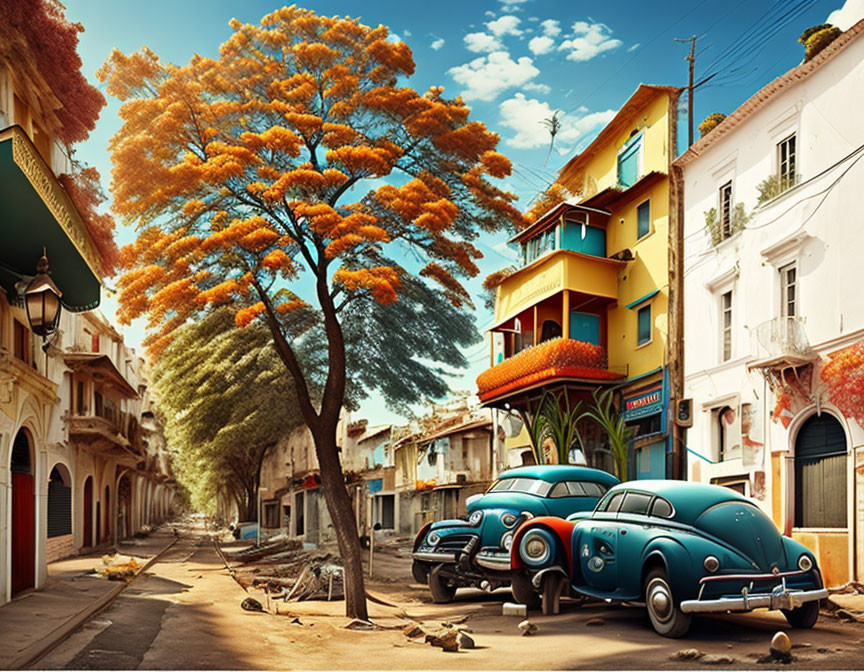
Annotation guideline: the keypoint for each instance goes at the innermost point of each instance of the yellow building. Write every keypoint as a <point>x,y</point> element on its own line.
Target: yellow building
<point>588,306</point>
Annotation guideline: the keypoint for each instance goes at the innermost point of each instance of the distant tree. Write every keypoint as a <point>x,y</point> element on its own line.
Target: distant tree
<point>710,122</point>
<point>815,39</point>
<point>603,412</point>
<point>225,400</point>
<point>255,180</point>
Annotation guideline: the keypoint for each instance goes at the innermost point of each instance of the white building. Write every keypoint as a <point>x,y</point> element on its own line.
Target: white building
<point>773,293</point>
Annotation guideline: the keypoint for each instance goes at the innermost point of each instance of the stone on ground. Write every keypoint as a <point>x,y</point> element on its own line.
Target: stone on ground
<point>527,628</point>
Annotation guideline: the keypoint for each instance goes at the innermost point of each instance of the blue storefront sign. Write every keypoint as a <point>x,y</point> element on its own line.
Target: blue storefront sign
<point>643,405</point>
<point>375,485</point>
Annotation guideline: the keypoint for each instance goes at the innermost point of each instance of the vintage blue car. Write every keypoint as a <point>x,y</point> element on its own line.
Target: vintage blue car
<point>680,548</point>
<point>475,552</point>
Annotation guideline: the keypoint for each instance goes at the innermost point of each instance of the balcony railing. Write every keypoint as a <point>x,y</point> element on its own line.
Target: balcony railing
<point>782,336</point>
<point>556,358</point>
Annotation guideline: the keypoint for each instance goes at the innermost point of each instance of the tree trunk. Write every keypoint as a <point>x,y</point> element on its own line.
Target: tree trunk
<point>342,516</point>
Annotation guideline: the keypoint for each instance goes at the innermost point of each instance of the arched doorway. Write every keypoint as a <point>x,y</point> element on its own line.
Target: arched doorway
<point>821,473</point>
<point>106,503</point>
<point>59,502</point>
<point>23,514</point>
<point>124,508</point>
<point>88,512</point>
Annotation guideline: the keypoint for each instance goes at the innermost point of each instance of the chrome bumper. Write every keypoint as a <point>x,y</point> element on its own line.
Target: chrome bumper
<point>434,556</point>
<point>499,562</point>
<point>784,599</point>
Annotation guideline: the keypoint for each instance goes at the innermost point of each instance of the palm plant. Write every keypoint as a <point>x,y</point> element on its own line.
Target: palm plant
<point>538,430</point>
<point>604,414</point>
<point>561,421</point>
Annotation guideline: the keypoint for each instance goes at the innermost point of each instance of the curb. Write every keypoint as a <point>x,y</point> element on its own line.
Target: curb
<point>41,647</point>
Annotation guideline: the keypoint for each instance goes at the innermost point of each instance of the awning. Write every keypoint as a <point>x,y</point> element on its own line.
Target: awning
<point>37,214</point>
<point>102,369</point>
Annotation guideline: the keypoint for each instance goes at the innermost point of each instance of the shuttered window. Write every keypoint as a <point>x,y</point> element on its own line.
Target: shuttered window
<point>628,161</point>
<point>820,473</point>
<point>59,506</point>
<point>643,219</point>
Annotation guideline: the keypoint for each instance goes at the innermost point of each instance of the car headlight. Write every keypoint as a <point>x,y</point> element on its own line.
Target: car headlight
<point>507,541</point>
<point>475,517</point>
<point>509,519</point>
<point>711,563</point>
<point>805,564</point>
<point>433,538</point>
<point>535,548</point>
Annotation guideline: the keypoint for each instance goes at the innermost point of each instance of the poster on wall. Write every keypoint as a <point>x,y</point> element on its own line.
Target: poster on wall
<point>752,441</point>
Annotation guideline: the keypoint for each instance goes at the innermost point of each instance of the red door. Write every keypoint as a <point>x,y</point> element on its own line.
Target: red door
<point>88,511</point>
<point>23,533</point>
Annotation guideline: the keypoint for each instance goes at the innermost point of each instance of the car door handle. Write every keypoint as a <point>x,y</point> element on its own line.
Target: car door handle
<point>623,532</point>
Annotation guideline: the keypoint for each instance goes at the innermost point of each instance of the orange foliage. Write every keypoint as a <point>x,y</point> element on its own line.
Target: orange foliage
<point>554,195</point>
<point>556,357</point>
<point>249,163</point>
<point>844,375</point>
<point>86,194</point>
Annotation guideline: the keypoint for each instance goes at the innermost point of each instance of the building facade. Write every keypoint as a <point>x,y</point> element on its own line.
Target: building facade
<point>774,329</point>
<point>587,308</point>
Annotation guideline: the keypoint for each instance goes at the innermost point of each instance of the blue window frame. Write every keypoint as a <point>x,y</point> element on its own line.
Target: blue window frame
<point>644,325</point>
<point>643,219</point>
<point>628,161</point>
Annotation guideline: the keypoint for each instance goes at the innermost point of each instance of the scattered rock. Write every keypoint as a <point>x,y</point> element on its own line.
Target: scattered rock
<point>802,645</point>
<point>716,659</point>
<point>465,641</point>
<point>359,624</point>
<point>297,621</point>
<point>730,646</point>
<point>821,650</point>
<point>688,654</point>
<point>412,631</point>
<point>527,628</point>
<point>781,642</point>
<point>595,621</point>
<point>251,604</point>
<point>445,638</point>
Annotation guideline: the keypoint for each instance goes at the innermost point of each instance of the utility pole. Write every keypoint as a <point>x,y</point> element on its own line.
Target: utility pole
<point>690,87</point>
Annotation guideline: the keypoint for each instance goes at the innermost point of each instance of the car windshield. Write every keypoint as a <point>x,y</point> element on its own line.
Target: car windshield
<point>530,486</point>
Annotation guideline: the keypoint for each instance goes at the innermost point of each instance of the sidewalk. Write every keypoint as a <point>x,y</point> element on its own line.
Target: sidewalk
<point>36,622</point>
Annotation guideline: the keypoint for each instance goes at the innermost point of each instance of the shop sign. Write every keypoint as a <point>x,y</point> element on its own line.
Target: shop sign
<point>643,405</point>
<point>375,485</point>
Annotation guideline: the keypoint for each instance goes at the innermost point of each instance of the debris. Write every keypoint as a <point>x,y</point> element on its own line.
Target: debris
<point>251,604</point>
<point>688,654</point>
<point>297,621</point>
<point>359,624</point>
<point>821,650</point>
<point>446,638</point>
<point>716,659</point>
<point>513,609</point>
<point>527,628</point>
<point>413,631</point>
<point>120,567</point>
<point>465,641</point>
<point>781,647</point>
<point>595,621</point>
<point>802,645</point>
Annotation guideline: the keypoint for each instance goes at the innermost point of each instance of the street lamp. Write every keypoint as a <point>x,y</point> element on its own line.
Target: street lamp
<point>42,301</point>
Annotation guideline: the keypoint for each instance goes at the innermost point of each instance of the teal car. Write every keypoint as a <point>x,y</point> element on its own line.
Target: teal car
<point>680,548</point>
<point>475,551</point>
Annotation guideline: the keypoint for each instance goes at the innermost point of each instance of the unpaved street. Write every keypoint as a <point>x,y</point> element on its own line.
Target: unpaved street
<point>185,614</point>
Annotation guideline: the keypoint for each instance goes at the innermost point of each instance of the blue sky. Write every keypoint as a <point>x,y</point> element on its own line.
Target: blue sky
<point>514,61</point>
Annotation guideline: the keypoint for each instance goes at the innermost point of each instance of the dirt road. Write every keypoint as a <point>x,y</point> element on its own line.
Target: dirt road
<point>185,614</point>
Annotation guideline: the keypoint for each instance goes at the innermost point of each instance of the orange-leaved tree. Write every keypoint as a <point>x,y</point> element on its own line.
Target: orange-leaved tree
<point>297,179</point>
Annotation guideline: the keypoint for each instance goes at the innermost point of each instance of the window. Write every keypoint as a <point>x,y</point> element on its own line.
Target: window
<point>728,445</point>
<point>577,489</point>
<point>726,325</point>
<point>628,161</point>
<point>613,504</point>
<point>643,219</point>
<point>299,520</point>
<point>786,163</point>
<point>271,514</point>
<point>735,483</point>
<point>636,502</point>
<point>644,325</point>
<point>21,343</point>
<point>560,490</point>
<point>79,399</point>
<point>551,329</point>
<point>538,245</point>
<point>820,473</point>
<point>788,291</point>
<point>661,508</point>
<point>94,342</point>
<point>726,211</point>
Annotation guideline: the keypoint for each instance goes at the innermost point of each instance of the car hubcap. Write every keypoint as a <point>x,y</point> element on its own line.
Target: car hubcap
<point>660,600</point>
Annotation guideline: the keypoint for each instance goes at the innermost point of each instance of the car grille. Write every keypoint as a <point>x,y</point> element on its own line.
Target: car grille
<point>454,542</point>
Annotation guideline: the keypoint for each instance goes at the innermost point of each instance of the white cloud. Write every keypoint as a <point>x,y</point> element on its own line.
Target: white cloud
<point>525,117</point>
<point>536,86</point>
<point>633,47</point>
<point>480,42</point>
<point>848,15</point>
<point>512,5</point>
<point>487,76</point>
<point>541,45</point>
<point>437,44</point>
<point>588,40</point>
<point>394,37</point>
<point>551,27</point>
<point>506,25</point>
<point>490,14</point>
<point>406,33</point>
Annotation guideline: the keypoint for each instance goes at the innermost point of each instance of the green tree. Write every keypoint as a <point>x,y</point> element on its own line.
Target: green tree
<point>225,400</point>
<point>603,412</point>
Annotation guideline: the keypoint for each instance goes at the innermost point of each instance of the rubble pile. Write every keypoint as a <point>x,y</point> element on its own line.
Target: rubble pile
<point>283,570</point>
<point>118,567</point>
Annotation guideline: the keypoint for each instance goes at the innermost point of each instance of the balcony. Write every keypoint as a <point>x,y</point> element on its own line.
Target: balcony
<point>562,360</point>
<point>782,342</point>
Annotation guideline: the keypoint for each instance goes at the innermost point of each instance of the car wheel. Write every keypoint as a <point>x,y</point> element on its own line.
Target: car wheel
<point>442,590</point>
<point>523,590</point>
<point>420,572</point>
<point>804,616</point>
<point>668,620</point>
<point>552,587</point>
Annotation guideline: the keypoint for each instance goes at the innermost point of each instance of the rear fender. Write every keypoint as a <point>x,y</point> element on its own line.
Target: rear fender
<point>560,529</point>
<point>421,535</point>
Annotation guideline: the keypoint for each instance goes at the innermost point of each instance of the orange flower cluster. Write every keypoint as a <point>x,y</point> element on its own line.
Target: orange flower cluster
<point>844,375</point>
<point>554,195</point>
<point>556,357</point>
<point>494,279</point>
<point>383,282</point>
<point>455,291</point>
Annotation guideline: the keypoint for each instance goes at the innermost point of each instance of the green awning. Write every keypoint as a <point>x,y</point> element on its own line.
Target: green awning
<point>36,213</point>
